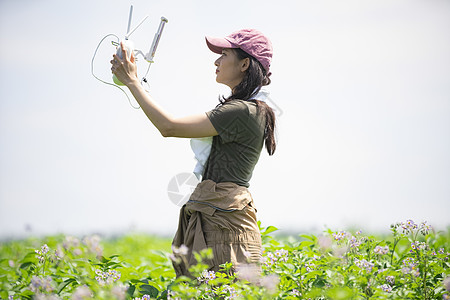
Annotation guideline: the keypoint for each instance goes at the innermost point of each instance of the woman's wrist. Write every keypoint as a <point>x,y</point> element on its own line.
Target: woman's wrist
<point>133,83</point>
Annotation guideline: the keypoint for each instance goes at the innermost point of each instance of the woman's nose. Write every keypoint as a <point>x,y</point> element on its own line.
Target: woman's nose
<point>216,63</point>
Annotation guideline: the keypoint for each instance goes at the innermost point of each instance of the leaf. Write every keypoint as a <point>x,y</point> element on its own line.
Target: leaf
<point>308,237</point>
<point>3,294</point>
<point>149,290</point>
<point>131,290</point>
<point>134,281</point>
<point>65,283</point>
<point>305,244</point>
<point>27,294</point>
<point>269,230</point>
<point>163,295</point>
<point>26,265</point>
<point>112,265</point>
<point>30,257</point>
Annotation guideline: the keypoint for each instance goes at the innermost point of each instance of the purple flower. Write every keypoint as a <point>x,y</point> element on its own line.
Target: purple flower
<point>418,245</point>
<point>354,242</point>
<point>386,288</point>
<point>408,226</point>
<point>145,297</point>
<point>107,277</point>
<point>339,236</point>
<point>44,249</point>
<point>309,266</point>
<point>41,253</point>
<point>364,264</point>
<point>41,284</point>
<point>282,254</point>
<point>232,292</point>
<point>410,263</point>
<point>381,250</point>
<point>425,228</point>
<point>269,259</point>
<point>206,276</point>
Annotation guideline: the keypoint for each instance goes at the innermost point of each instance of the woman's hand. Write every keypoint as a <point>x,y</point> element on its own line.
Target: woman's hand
<point>125,69</point>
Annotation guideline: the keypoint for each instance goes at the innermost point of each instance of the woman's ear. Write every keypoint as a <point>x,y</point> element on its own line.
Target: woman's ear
<point>245,64</point>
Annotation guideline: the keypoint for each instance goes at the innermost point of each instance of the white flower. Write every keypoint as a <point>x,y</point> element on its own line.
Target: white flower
<point>324,242</point>
<point>270,282</point>
<point>71,241</point>
<point>248,272</point>
<point>119,291</point>
<point>447,283</point>
<point>82,292</point>
<point>183,250</point>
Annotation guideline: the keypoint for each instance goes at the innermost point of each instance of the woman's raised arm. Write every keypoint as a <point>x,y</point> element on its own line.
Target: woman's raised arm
<point>187,127</point>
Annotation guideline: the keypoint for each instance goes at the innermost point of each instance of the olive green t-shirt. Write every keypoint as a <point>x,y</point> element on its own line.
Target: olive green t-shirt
<point>235,151</point>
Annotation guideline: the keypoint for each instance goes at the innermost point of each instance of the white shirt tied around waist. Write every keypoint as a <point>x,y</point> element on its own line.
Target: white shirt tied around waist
<point>202,146</point>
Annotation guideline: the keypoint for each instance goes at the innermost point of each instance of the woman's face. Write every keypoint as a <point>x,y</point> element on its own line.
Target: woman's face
<point>230,70</point>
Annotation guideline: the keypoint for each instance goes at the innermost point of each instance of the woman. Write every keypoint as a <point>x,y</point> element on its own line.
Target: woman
<point>220,213</point>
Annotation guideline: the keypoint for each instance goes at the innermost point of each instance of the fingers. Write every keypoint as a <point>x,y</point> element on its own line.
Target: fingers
<point>115,62</point>
<point>117,59</point>
<point>124,53</point>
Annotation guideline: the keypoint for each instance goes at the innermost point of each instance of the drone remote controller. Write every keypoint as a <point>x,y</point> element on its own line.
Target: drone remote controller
<point>128,45</point>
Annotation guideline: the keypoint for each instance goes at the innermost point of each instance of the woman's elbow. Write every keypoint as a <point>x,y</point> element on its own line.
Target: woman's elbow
<point>167,131</point>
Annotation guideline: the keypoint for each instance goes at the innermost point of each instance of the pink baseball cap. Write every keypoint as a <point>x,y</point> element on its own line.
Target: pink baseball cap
<point>249,40</point>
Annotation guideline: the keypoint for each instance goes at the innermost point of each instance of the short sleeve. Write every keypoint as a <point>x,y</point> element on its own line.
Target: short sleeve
<point>229,120</point>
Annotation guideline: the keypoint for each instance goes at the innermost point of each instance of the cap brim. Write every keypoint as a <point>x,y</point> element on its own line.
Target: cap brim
<point>216,45</point>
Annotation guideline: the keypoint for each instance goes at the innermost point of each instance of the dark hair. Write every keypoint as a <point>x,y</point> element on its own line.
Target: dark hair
<point>255,77</point>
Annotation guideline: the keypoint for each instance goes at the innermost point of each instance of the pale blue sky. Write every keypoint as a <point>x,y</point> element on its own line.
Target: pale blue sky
<point>364,138</point>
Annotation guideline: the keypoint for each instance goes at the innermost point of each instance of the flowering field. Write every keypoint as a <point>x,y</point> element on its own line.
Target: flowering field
<point>411,263</point>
